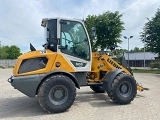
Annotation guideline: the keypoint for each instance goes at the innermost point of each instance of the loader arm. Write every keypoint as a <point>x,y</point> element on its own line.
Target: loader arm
<point>102,64</point>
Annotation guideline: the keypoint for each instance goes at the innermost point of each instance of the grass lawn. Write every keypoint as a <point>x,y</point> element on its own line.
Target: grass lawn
<point>146,71</point>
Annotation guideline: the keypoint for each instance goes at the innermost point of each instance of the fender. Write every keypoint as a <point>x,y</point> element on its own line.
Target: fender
<point>67,74</point>
<point>60,72</point>
<point>108,79</point>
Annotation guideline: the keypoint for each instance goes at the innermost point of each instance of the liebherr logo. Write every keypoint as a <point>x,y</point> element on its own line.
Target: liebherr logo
<point>113,63</point>
<point>79,64</point>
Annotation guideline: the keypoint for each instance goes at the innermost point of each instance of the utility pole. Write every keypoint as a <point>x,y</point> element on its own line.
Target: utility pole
<point>128,45</point>
<point>144,49</point>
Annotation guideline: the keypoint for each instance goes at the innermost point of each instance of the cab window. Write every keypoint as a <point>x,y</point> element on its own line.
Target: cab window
<point>74,39</point>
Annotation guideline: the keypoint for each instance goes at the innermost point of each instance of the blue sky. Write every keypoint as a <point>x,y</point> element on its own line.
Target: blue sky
<point>21,19</point>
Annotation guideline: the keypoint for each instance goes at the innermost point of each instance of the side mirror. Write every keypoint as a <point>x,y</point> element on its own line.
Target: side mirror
<point>93,32</point>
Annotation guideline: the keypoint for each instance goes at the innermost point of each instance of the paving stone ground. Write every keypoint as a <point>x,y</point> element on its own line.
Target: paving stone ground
<point>87,106</point>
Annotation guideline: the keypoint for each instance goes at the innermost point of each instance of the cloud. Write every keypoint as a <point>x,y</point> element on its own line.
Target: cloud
<point>135,16</point>
<point>20,20</point>
<point>20,23</point>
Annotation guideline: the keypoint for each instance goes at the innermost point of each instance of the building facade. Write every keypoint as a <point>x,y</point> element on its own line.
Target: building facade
<point>139,59</point>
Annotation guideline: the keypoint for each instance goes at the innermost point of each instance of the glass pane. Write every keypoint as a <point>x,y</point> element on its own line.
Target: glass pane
<point>73,36</point>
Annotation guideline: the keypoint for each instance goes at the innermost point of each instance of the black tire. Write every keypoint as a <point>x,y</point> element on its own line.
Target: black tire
<point>56,94</point>
<point>97,89</point>
<point>124,89</point>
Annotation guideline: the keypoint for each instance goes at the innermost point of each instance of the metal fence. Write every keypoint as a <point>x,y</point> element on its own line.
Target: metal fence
<point>7,63</point>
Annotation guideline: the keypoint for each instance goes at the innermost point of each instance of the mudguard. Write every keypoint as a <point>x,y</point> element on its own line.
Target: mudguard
<point>65,73</point>
<point>108,79</point>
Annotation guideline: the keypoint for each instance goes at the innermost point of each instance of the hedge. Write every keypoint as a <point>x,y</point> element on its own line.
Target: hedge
<point>155,65</point>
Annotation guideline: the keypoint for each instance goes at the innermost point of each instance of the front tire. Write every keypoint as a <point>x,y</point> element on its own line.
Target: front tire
<point>56,94</point>
<point>124,89</point>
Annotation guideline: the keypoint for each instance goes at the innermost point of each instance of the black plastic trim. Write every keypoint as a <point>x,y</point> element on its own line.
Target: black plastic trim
<point>108,79</point>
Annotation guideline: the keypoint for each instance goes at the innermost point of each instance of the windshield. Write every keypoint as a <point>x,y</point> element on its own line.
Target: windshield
<point>74,38</point>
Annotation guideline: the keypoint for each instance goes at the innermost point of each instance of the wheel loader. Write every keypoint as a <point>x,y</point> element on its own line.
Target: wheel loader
<point>66,63</point>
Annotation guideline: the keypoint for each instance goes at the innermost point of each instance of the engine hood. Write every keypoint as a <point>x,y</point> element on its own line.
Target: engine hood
<point>34,64</point>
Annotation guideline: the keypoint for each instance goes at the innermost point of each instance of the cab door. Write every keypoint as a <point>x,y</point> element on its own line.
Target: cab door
<point>76,44</point>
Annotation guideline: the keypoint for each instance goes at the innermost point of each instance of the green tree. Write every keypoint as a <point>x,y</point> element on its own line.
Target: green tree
<point>119,52</point>
<point>108,29</point>
<point>3,53</point>
<point>89,23</point>
<point>11,52</point>
<point>151,33</point>
<point>136,49</point>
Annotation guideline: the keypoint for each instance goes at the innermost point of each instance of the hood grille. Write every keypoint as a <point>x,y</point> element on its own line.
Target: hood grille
<point>32,64</point>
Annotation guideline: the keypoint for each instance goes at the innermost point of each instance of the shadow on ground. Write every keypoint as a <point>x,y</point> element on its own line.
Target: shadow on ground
<point>20,107</point>
<point>94,99</point>
<point>139,96</point>
<point>157,75</point>
<point>28,107</point>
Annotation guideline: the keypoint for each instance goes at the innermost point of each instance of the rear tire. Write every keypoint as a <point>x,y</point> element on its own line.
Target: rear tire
<point>124,89</point>
<point>56,94</point>
<point>97,89</point>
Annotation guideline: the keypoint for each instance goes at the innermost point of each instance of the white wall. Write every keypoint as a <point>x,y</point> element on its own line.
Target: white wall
<point>7,62</point>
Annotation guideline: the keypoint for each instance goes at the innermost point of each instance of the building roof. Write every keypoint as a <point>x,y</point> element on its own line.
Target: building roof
<point>140,56</point>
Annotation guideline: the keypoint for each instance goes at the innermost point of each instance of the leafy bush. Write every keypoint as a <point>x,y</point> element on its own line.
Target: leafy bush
<point>155,65</point>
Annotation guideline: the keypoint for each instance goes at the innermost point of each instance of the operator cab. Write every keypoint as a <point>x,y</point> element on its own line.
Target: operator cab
<point>69,37</point>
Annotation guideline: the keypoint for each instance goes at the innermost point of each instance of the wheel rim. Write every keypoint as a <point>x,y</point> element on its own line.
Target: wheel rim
<point>125,89</point>
<point>58,95</point>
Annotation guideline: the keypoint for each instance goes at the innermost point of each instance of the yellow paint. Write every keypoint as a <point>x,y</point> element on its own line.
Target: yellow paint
<point>65,64</point>
<point>100,63</point>
<point>52,57</point>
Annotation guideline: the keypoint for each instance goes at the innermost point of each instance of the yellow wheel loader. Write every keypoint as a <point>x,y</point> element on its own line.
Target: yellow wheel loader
<point>66,63</point>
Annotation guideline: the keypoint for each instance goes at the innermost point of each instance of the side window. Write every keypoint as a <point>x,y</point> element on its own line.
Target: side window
<point>74,38</point>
